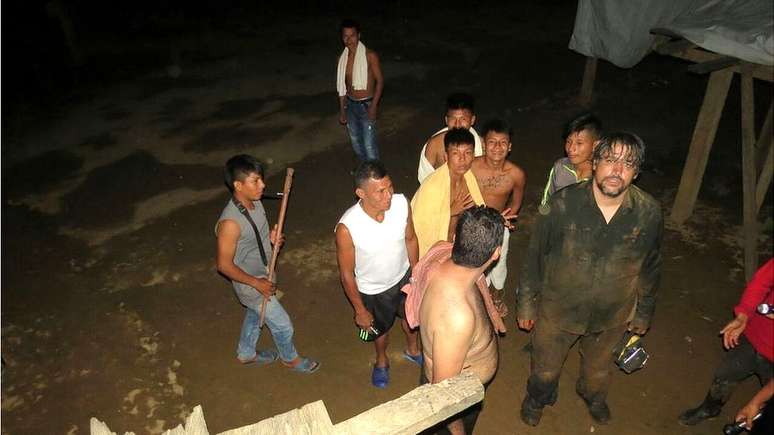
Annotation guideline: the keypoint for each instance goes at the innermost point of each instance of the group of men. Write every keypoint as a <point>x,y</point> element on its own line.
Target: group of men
<point>592,267</point>
<point>591,270</point>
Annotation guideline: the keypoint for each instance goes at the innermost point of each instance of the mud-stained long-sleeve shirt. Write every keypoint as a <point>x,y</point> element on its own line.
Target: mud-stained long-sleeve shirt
<point>586,275</point>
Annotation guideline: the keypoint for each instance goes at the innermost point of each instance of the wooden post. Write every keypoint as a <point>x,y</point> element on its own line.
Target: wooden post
<point>764,181</point>
<point>764,158</point>
<point>587,87</point>
<point>749,170</point>
<point>701,144</point>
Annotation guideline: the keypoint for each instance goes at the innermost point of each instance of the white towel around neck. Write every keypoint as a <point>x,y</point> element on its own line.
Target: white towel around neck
<point>359,70</point>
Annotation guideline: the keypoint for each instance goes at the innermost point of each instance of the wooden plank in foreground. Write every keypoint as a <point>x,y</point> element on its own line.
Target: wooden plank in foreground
<point>310,419</point>
<point>194,425</point>
<point>417,410</point>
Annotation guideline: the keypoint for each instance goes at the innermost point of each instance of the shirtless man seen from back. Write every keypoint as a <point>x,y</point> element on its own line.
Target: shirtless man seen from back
<point>502,186</point>
<point>456,331</point>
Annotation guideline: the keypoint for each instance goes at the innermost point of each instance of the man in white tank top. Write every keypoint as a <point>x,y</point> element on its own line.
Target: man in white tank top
<point>376,247</point>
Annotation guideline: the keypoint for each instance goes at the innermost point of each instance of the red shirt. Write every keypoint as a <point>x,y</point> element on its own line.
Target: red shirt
<point>760,329</point>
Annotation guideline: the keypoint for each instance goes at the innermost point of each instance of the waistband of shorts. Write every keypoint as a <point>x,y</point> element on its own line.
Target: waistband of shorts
<point>361,101</point>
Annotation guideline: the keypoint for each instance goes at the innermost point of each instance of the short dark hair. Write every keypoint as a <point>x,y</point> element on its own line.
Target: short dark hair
<point>498,126</point>
<point>584,121</point>
<point>460,101</point>
<point>458,136</point>
<point>634,147</point>
<point>349,23</point>
<point>239,167</point>
<point>479,232</point>
<point>367,170</point>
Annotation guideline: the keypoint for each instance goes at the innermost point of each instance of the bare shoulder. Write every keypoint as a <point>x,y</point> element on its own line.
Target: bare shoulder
<point>515,171</point>
<point>371,54</point>
<point>435,144</point>
<point>458,316</point>
<point>227,228</point>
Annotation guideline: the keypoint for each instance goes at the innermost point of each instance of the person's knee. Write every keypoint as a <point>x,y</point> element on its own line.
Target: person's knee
<point>543,388</point>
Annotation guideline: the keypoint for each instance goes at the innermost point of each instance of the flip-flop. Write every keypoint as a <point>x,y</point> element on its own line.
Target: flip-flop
<point>262,357</point>
<point>416,359</point>
<point>306,365</point>
<point>380,377</point>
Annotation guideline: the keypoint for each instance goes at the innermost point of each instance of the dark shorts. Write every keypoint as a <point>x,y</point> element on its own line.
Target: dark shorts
<point>387,304</point>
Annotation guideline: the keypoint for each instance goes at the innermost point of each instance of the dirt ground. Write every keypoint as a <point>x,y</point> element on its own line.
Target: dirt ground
<point>111,305</point>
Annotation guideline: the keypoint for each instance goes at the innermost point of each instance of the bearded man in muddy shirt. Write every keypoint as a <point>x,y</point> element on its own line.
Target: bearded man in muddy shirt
<point>592,271</point>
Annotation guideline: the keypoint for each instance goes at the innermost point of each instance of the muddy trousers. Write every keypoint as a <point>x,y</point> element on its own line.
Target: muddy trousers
<point>739,363</point>
<point>550,346</point>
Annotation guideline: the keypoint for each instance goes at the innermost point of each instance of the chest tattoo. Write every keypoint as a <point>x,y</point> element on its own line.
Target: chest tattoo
<point>494,181</point>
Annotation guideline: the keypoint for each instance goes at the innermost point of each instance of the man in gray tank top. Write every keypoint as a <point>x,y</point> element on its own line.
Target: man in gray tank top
<point>244,247</point>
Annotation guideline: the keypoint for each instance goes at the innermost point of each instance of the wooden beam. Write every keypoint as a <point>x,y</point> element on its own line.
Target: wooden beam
<point>674,48</point>
<point>749,172</point>
<point>417,410</point>
<point>761,72</point>
<point>764,154</point>
<point>713,65</point>
<point>310,419</point>
<point>701,144</point>
<point>194,425</point>
<point>764,180</point>
<point>764,138</point>
<point>587,87</point>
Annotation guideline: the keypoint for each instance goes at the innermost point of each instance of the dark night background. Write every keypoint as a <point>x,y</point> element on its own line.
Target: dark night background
<point>113,143</point>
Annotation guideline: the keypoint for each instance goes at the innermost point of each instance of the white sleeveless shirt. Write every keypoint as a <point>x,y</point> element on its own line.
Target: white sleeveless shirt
<point>381,258</point>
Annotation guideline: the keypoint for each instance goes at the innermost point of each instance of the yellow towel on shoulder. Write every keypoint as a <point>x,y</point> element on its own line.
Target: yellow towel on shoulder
<point>430,206</point>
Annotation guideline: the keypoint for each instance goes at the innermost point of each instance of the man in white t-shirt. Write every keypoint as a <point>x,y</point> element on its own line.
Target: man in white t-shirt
<point>376,247</point>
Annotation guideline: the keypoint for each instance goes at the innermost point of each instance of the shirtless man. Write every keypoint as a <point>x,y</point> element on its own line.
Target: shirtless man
<point>456,330</point>
<point>459,114</point>
<point>359,83</point>
<point>502,186</point>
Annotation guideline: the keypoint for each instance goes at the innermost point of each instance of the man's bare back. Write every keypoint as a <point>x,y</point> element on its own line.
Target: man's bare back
<point>448,306</point>
<point>501,187</point>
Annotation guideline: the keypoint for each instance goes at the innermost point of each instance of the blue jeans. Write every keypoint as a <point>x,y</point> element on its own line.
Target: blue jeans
<point>362,131</point>
<point>276,319</point>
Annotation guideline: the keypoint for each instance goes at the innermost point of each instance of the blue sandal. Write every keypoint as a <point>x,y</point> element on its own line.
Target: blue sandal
<point>380,377</point>
<point>416,359</point>
<point>262,357</point>
<point>305,365</point>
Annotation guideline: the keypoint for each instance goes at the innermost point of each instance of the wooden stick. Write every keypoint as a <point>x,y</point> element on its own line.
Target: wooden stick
<point>749,210</point>
<point>278,236</point>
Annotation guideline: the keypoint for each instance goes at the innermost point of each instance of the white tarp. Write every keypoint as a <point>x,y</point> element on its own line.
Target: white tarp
<point>619,31</point>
